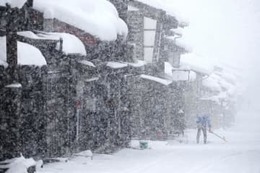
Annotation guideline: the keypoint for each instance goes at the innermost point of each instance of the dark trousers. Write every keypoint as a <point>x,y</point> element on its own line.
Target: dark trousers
<point>204,131</point>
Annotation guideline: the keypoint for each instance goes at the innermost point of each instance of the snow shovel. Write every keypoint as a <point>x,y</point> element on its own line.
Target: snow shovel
<point>221,137</point>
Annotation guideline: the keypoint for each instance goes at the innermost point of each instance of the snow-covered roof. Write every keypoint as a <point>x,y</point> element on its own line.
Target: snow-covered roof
<point>183,44</point>
<point>97,17</point>
<point>180,42</point>
<point>156,79</point>
<point>71,44</point>
<point>212,83</point>
<point>169,10</point>
<point>27,54</point>
<point>13,3</point>
<point>178,30</point>
<point>216,98</point>
<point>196,63</point>
<point>116,65</point>
<point>178,74</point>
<point>216,82</point>
<point>30,55</point>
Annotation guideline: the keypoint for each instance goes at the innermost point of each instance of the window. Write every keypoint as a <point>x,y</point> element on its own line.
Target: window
<point>149,38</point>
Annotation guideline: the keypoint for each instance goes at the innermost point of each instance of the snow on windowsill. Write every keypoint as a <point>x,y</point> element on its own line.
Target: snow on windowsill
<point>92,79</point>
<point>156,79</point>
<point>88,63</point>
<point>14,85</point>
<point>116,65</point>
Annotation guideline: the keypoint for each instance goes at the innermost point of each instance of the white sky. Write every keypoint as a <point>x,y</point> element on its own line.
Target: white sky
<point>225,32</point>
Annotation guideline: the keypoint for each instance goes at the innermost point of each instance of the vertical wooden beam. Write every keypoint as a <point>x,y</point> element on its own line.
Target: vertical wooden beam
<point>11,41</point>
<point>11,48</point>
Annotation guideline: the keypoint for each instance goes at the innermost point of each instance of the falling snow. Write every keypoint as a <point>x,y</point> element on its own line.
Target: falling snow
<point>117,86</point>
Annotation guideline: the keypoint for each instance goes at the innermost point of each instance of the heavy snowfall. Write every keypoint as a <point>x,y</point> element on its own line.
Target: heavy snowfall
<point>239,154</point>
<point>129,86</point>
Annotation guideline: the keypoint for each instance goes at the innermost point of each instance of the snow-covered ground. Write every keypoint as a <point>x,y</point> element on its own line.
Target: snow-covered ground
<point>241,154</point>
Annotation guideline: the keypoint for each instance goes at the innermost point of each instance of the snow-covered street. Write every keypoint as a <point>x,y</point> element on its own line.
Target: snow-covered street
<point>241,154</point>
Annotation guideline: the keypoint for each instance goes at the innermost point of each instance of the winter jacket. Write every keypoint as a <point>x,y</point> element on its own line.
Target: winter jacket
<point>203,121</point>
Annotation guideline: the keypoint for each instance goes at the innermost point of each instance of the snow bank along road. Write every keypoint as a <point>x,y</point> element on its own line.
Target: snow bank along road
<point>241,154</point>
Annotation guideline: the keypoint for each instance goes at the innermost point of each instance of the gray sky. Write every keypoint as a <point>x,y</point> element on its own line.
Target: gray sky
<point>225,31</point>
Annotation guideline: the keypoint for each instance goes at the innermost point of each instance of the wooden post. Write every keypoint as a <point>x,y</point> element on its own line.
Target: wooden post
<point>11,41</point>
<point>11,48</point>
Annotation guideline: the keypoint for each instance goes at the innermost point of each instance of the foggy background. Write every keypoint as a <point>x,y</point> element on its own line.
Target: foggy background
<point>226,33</point>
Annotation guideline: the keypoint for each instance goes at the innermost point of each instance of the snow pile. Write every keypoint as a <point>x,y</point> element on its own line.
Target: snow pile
<point>27,54</point>
<point>156,79</point>
<point>98,18</point>
<point>17,165</point>
<point>71,44</point>
<point>13,3</point>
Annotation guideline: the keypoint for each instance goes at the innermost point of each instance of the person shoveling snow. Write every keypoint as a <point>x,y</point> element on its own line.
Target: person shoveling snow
<point>203,122</point>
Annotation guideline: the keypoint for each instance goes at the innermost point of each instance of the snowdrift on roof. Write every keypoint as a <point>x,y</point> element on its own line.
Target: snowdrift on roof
<point>169,10</point>
<point>196,63</point>
<point>97,17</point>
<point>71,44</point>
<point>27,54</point>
